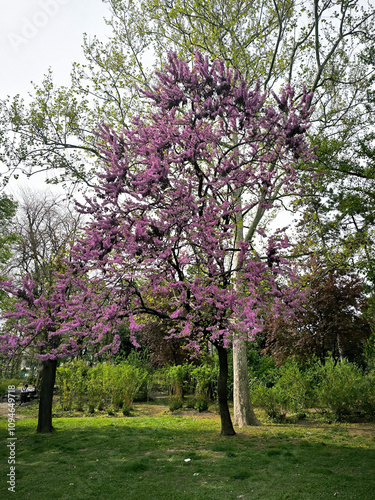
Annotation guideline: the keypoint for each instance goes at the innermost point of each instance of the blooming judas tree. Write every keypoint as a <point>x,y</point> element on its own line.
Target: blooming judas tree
<point>42,325</point>
<point>35,326</point>
<point>178,205</point>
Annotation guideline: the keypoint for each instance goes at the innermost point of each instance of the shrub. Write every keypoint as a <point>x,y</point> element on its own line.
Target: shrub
<point>285,389</point>
<point>175,403</point>
<point>63,381</point>
<point>96,391</point>
<point>79,383</point>
<point>72,382</point>
<point>6,382</point>
<point>102,386</point>
<point>271,399</point>
<point>129,381</point>
<point>176,377</point>
<point>204,379</point>
<point>347,391</point>
<point>296,387</point>
<point>201,404</point>
<point>126,411</point>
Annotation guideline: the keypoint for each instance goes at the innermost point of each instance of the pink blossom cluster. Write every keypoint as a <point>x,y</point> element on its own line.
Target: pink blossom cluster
<point>52,325</point>
<point>165,218</point>
<point>164,215</point>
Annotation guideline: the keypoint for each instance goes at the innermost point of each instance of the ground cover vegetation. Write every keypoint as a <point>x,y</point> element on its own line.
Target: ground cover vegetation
<point>182,458</point>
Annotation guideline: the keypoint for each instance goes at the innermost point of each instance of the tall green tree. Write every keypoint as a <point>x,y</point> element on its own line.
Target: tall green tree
<point>338,207</point>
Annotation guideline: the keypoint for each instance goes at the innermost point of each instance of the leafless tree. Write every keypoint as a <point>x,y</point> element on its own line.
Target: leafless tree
<point>45,225</point>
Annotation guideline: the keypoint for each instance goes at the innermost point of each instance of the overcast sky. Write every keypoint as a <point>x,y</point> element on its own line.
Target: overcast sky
<point>38,34</point>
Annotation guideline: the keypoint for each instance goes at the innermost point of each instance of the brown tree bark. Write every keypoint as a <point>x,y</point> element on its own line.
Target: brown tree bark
<point>226,421</point>
<point>49,369</point>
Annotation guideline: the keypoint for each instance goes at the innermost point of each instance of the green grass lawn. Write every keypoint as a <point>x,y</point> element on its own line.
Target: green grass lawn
<point>169,457</point>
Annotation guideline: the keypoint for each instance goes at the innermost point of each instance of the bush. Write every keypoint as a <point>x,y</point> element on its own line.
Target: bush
<point>63,381</point>
<point>72,382</point>
<point>297,388</point>
<point>175,403</point>
<point>271,399</point>
<point>341,388</point>
<point>96,391</point>
<point>129,380</point>
<point>201,404</point>
<point>204,380</point>
<point>292,391</point>
<point>176,377</point>
<point>185,379</point>
<point>6,382</point>
<point>347,391</point>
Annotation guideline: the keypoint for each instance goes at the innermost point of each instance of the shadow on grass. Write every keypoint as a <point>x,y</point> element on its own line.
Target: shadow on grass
<point>176,458</point>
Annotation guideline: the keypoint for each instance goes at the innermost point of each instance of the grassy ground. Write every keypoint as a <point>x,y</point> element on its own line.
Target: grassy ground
<point>155,455</point>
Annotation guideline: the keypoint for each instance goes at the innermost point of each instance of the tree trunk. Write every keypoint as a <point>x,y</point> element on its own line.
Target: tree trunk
<point>243,409</point>
<point>226,421</point>
<point>340,349</point>
<point>49,368</point>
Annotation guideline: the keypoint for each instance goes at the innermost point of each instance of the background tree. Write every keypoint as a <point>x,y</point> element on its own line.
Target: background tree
<point>45,226</point>
<point>7,239</point>
<point>153,343</point>
<point>338,220</point>
<point>331,324</point>
<point>36,324</point>
<point>163,351</point>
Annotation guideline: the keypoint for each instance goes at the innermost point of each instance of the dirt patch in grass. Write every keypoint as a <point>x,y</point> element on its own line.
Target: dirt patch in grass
<point>362,430</point>
<point>4,410</point>
<point>149,409</point>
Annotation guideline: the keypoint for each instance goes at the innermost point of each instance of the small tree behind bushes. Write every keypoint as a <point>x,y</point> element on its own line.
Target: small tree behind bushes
<point>197,380</point>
